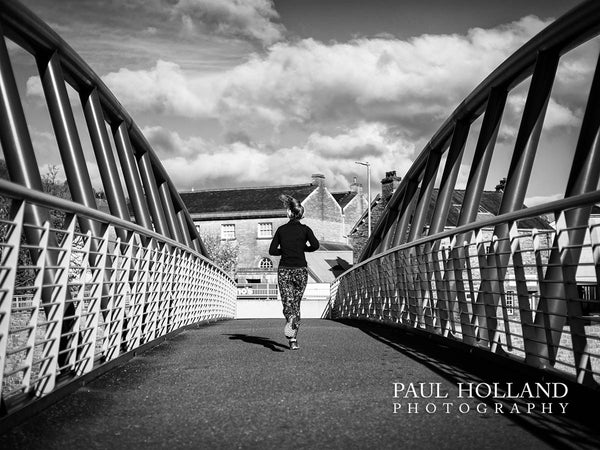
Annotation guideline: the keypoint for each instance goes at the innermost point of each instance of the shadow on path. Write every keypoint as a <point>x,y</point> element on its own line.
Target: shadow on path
<point>575,429</point>
<point>265,342</point>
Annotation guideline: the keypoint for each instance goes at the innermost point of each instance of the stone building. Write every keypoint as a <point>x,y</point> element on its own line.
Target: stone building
<point>358,234</point>
<point>248,217</point>
<point>540,228</point>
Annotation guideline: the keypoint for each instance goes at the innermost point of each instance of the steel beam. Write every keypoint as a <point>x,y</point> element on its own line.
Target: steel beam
<point>132,176</point>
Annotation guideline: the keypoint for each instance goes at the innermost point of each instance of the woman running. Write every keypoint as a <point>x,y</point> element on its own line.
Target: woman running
<point>290,242</point>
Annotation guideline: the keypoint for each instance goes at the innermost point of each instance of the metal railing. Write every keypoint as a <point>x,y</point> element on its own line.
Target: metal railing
<point>257,290</point>
<point>495,284</point>
<point>79,287</point>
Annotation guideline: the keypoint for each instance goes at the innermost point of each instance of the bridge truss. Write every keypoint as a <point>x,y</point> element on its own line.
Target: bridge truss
<point>490,282</point>
<point>81,286</point>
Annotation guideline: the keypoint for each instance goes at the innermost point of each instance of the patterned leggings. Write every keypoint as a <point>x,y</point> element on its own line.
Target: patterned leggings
<point>292,283</point>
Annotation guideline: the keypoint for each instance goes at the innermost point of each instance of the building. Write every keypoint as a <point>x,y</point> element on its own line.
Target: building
<point>248,217</point>
<point>358,234</point>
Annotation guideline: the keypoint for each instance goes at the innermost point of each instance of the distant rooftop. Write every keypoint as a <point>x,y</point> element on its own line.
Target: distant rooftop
<point>251,199</point>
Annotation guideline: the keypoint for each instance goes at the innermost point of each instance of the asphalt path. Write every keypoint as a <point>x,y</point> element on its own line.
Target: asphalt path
<point>235,385</point>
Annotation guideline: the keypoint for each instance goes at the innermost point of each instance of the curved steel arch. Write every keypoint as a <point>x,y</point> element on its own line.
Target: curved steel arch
<point>415,272</point>
<point>80,287</point>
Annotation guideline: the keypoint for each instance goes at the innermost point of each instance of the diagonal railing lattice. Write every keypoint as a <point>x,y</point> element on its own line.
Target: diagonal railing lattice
<point>494,282</point>
<point>79,286</point>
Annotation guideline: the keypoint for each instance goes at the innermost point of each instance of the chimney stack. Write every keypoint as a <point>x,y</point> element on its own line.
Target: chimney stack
<point>356,187</point>
<point>389,184</point>
<point>318,179</point>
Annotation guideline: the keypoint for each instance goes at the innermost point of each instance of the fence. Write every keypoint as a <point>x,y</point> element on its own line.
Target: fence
<point>464,281</point>
<point>80,287</point>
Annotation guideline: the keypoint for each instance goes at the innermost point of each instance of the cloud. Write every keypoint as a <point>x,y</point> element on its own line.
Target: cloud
<point>367,141</point>
<point>541,199</point>
<point>163,89</point>
<point>413,84</point>
<point>246,19</point>
<point>200,164</point>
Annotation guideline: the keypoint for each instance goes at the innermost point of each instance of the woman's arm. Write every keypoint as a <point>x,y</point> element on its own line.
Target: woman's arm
<point>312,240</point>
<point>274,249</point>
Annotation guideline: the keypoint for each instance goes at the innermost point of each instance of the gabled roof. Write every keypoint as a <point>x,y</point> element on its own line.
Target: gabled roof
<point>243,199</point>
<point>343,198</point>
<point>251,199</point>
<point>488,206</point>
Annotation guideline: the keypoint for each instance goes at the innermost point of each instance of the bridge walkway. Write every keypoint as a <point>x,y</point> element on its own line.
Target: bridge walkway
<point>235,384</point>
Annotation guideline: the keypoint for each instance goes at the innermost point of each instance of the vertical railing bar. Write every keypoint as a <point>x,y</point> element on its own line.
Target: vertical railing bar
<point>132,176</point>
<point>105,157</point>
<point>390,215</point>
<point>482,158</point>
<point>449,176</point>
<point>170,215</point>
<point>425,195</point>
<point>187,239</point>
<point>67,137</point>
<point>404,212</point>
<point>152,194</point>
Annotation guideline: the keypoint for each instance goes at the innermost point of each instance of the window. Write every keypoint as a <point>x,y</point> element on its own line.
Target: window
<point>265,263</point>
<point>227,231</point>
<point>265,230</point>
<point>510,302</point>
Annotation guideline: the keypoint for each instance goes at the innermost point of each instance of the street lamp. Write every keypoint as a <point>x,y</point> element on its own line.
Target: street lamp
<point>365,163</point>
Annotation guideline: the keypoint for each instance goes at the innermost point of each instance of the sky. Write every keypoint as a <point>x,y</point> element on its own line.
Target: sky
<point>239,93</point>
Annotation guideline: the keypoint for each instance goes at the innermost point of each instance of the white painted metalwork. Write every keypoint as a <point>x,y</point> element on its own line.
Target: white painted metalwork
<point>79,287</point>
<point>522,293</point>
<point>132,293</point>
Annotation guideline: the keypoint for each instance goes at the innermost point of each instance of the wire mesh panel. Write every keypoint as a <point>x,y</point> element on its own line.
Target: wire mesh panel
<point>479,266</point>
<point>503,304</point>
<point>98,304</point>
<point>79,287</point>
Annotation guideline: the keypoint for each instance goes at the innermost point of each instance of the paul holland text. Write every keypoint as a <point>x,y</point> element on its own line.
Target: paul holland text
<point>496,398</point>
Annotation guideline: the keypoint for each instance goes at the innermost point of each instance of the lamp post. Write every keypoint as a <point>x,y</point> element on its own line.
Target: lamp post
<point>368,165</point>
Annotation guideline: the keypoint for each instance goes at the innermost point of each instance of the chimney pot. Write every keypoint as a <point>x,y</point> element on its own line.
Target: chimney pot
<point>318,179</point>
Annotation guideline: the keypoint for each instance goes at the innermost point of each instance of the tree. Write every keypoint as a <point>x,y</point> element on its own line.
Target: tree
<point>224,254</point>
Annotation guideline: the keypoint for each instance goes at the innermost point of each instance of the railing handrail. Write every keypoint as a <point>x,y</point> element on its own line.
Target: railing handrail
<point>513,216</point>
<point>19,192</point>
<point>27,30</point>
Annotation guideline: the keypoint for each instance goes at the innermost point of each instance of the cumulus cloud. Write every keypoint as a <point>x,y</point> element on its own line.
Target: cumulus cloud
<point>200,163</point>
<point>246,19</point>
<point>163,89</point>
<point>414,84</point>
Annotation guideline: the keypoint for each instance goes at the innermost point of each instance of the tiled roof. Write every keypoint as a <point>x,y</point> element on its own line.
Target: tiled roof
<point>488,206</point>
<point>343,198</point>
<point>242,199</point>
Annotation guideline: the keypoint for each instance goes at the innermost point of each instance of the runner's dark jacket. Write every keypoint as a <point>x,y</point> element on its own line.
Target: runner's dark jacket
<point>290,241</point>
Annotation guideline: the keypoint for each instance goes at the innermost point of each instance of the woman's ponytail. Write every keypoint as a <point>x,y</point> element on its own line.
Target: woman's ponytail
<point>295,209</point>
